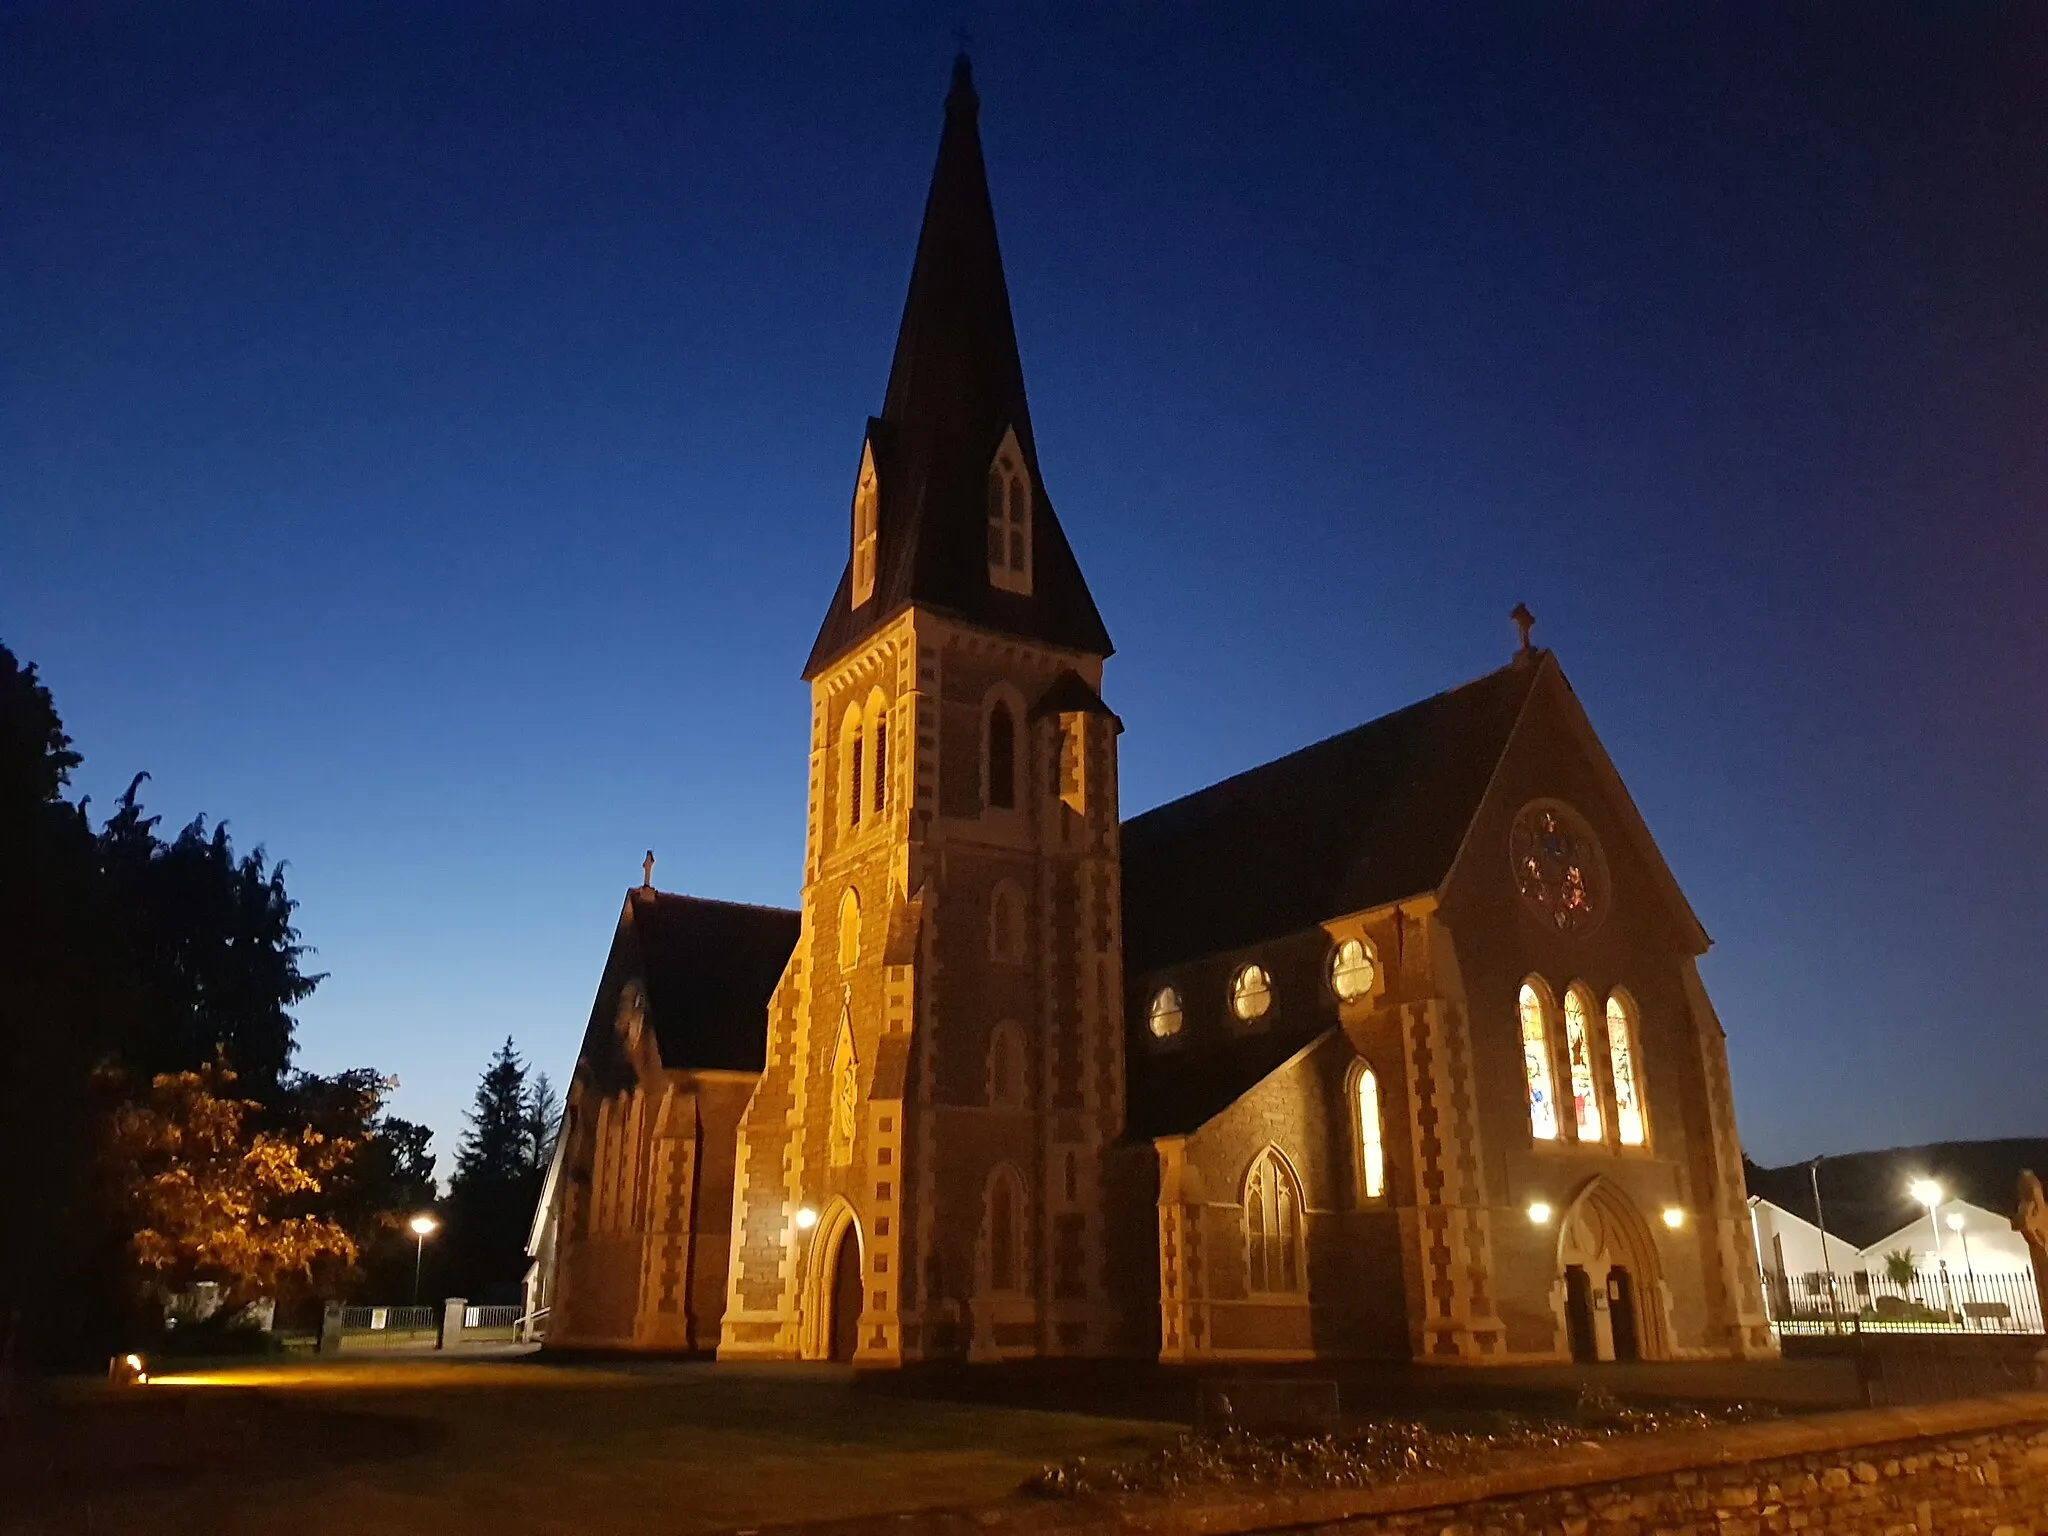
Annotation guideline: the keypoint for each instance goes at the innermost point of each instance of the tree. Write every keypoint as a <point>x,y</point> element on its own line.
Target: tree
<point>498,1172</point>
<point>212,1197</point>
<point>498,1141</point>
<point>61,996</point>
<point>543,1120</point>
<point>211,944</point>
<point>1898,1267</point>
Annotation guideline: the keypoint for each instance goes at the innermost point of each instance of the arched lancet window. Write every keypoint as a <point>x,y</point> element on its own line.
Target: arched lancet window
<point>1006,1072</point>
<point>1628,1087</point>
<point>876,718</point>
<point>1006,923</point>
<point>1536,1065</point>
<point>1009,520</point>
<point>1272,1225</point>
<point>866,501</point>
<point>1163,1016</point>
<point>850,752</point>
<point>849,930</point>
<point>1578,1046</point>
<point>1002,758</point>
<point>1004,1215</point>
<point>1372,1151</point>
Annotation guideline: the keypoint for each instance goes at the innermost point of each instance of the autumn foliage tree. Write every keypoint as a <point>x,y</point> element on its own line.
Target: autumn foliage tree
<point>212,1197</point>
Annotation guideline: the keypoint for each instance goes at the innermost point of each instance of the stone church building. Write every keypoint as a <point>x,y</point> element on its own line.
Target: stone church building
<point>1394,1047</point>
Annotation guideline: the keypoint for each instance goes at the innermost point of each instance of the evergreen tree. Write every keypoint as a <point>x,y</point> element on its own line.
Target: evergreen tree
<point>543,1120</point>
<point>497,1179</point>
<point>495,1147</point>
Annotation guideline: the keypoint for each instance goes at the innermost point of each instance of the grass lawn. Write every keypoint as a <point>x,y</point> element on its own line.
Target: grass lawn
<point>447,1446</point>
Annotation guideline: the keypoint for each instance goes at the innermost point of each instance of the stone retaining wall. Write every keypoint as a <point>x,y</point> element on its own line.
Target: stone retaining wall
<point>1977,1468</point>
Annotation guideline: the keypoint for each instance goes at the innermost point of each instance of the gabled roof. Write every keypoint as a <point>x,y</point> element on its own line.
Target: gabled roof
<point>1177,1091</point>
<point>956,385</point>
<point>708,969</point>
<point>1374,815</point>
<point>1864,1194</point>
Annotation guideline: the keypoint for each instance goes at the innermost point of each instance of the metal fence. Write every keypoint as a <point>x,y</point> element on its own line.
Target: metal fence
<point>391,1319</point>
<point>1865,1301</point>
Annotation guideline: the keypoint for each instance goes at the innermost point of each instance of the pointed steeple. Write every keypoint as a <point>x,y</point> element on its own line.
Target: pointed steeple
<point>956,391</point>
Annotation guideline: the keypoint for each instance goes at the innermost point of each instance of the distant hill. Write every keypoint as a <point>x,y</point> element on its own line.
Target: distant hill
<point>1864,1193</point>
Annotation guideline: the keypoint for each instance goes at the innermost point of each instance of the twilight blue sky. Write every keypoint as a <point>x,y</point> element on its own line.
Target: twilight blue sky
<point>426,435</point>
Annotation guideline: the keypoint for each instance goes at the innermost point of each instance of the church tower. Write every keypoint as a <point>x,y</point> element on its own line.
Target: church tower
<point>921,1168</point>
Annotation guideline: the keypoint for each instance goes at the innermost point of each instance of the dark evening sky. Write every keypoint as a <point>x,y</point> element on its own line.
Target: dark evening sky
<point>428,434</point>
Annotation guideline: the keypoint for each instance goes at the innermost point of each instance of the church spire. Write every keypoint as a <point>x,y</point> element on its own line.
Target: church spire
<point>955,400</point>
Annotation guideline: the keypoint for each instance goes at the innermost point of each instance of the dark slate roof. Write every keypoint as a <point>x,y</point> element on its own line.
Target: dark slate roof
<point>1176,1091</point>
<point>709,968</point>
<point>956,385</point>
<point>1071,694</point>
<point>1863,1194</point>
<point>1352,822</point>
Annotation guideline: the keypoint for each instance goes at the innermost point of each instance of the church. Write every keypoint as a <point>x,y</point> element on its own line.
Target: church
<point>1395,1047</point>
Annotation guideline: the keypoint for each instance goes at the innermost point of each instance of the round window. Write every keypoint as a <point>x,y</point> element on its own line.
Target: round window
<point>1351,970</point>
<point>1251,993</point>
<point>1557,867</point>
<point>1164,1016</point>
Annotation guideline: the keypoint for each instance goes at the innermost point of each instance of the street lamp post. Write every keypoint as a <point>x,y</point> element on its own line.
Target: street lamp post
<point>1928,1193</point>
<point>1958,1225</point>
<point>423,1226</point>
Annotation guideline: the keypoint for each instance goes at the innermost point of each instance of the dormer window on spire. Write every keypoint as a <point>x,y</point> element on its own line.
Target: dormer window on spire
<point>866,496</point>
<point>1009,519</point>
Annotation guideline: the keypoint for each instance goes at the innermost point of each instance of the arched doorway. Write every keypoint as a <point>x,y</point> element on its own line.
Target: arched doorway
<point>843,1332</point>
<point>1609,1277</point>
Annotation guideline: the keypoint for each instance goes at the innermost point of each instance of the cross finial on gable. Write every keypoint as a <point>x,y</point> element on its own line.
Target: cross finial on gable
<point>1524,621</point>
<point>647,871</point>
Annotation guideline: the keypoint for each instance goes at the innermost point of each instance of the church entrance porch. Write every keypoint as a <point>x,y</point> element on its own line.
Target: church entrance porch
<point>1609,1292</point>
<point>830,1294</point>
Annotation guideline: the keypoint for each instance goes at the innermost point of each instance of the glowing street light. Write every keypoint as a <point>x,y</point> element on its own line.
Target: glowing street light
<point>423,1226</point>
<point>1539,1211</point>
<point>1929,1194</point>
<point>806,1218</point>
<point>1674,1217</point>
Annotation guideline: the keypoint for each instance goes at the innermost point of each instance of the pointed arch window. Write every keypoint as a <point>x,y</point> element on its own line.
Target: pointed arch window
<point>1372,1150</point>
<point>881,763</point>
<point>1536,1065</point>
<point>1006,924</point>
<point>1002,758</point>
<point>1009,519</point>
<point>1578,1047</point>
<point>1272,1225</point>
<point>1004,1217</point>
<point>849,929</point>
<point>850,747</point>
<point>866,505</point>
<point>1006,1084</point>
<point>1629,1127</point>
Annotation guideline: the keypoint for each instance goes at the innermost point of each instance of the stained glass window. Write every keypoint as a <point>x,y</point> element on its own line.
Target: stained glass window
<point>1251,993</point>
<point>1372,1153</point>
<point>1556,867</point>
<point>1579,1050</point>
<point>1271,1221</point>
<point>1536,1066</point>
<point>1351,970</point>
<point>1621,1055</point>
<point>1164,1016</point>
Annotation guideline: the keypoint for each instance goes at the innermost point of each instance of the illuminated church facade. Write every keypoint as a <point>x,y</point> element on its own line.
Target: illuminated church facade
<point>1393,1047</point>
